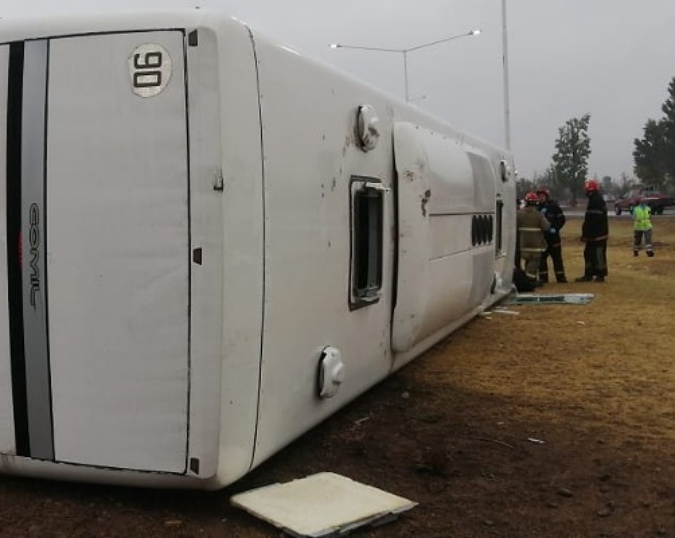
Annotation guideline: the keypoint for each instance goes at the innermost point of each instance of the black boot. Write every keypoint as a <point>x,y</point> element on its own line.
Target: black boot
<point>584,278</point>
<point>650,253</point>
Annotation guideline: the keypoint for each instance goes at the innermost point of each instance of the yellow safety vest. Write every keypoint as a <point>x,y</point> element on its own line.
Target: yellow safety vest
<point>641,218</point>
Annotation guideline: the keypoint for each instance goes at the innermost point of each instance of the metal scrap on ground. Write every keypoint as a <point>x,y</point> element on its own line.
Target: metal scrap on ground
<point>550,298</point>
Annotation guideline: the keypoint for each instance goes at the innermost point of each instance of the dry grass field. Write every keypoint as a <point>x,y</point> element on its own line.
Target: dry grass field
<point>557,421</point>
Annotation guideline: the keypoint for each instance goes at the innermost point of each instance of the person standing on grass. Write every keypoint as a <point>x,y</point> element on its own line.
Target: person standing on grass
<point>594,232</point>
<point>642,227</point>
<point>554,214</point>
<point>531,227</point>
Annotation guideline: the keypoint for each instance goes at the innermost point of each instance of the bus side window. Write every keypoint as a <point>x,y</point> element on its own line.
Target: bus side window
<point>367,219</point>
<point>499,232</point>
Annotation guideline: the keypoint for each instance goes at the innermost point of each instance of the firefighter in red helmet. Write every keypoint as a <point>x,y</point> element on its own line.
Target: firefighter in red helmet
<point>531,228</point>
<point>594,232</point>
<point>554,214</point>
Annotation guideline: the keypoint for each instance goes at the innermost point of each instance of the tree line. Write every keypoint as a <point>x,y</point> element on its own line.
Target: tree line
<point>654,153</point>
<point>653,156</point>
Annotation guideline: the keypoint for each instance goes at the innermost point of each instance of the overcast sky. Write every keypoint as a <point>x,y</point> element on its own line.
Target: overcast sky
<point>611,58</point>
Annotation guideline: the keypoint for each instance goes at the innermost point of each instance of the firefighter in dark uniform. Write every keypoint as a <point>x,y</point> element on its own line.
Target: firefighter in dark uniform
<point>554,214</point>
<point>531,228</point>
<point>594,232</point>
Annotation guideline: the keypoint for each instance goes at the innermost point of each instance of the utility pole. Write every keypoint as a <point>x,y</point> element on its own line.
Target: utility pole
<point>505,52</point>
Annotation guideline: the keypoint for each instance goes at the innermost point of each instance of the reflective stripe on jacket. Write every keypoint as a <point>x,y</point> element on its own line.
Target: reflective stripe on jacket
<point>531,225</point>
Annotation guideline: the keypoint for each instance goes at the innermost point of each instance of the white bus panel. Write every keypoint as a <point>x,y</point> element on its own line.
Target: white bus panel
<point>119,294</point>
<point>212,242</point>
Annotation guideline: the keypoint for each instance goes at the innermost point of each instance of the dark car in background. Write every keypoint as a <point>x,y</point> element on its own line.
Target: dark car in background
<point>654,199</point>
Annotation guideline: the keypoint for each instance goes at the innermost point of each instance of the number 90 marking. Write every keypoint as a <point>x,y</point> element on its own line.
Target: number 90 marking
<point>150,69</point>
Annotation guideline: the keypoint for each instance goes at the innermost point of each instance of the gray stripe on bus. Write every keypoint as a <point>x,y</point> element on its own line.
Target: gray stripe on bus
<point>33,158</point>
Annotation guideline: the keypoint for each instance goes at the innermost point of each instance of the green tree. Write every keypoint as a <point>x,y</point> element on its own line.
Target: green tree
<point>570,161</point>
<point>654,154</point>
<point>668,109</point>
<point>651,153</point>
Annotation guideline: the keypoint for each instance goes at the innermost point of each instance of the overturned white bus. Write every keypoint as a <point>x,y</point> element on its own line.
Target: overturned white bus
<point>212,242</point>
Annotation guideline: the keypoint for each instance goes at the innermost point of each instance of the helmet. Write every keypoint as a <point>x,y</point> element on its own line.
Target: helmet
<point>531,198</point>
<point>544,190</point>
<point>591,185</point>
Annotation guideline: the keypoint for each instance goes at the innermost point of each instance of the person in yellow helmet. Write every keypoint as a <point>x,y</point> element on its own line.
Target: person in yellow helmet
<point>642,227</point>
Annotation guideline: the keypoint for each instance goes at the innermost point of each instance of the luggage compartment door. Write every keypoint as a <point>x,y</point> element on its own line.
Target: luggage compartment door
<point>438,266</point>
<point>118,249</point>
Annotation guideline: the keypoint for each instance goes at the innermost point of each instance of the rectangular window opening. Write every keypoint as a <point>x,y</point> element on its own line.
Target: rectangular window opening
<point>367,241</point>
<point>499,226</point>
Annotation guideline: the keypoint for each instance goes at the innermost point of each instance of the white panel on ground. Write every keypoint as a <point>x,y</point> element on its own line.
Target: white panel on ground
<point>550,298</point>
<point>6,413</point>
<point>118,250</point>
<point>323,504</point>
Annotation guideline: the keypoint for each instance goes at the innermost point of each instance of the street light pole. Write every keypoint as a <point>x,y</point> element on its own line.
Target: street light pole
<point>404,53</point>
<point>505,52</point>
<point>405,75</point>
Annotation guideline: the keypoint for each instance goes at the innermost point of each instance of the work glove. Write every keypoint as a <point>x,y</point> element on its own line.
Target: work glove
<point>543,211</point>
<point>552,230</point>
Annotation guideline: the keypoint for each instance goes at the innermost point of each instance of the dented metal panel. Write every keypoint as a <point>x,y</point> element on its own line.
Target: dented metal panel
<point>442,273</point>
<point>413,191</point>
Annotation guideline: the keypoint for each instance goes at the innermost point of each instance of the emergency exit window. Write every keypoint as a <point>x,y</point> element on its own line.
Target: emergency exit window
<point>367,217</point>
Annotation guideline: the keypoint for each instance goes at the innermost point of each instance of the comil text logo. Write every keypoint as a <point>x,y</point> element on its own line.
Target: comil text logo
<point>34,244</point>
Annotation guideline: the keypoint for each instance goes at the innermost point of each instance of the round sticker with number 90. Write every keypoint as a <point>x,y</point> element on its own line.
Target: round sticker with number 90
<point>150,69</point>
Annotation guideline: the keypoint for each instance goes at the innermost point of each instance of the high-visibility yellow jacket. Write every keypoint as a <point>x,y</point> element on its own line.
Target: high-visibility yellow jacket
<point>641,218</point>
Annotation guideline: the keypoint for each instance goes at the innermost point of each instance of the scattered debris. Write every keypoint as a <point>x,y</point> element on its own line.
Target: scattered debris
<point>535,441</point>
<point>551,298</point>
<point>496,441</point>
<point>323,504</point>
<point>565,492</point>
<point>505,311</point>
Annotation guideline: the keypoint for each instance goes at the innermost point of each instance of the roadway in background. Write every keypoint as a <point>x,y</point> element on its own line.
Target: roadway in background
<point>581,208</point>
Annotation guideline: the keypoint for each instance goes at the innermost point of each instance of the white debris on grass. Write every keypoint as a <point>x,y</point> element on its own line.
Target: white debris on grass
<point>321,505</point>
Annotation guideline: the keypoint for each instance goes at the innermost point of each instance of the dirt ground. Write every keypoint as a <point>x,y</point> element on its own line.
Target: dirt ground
<point>595,383</point>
